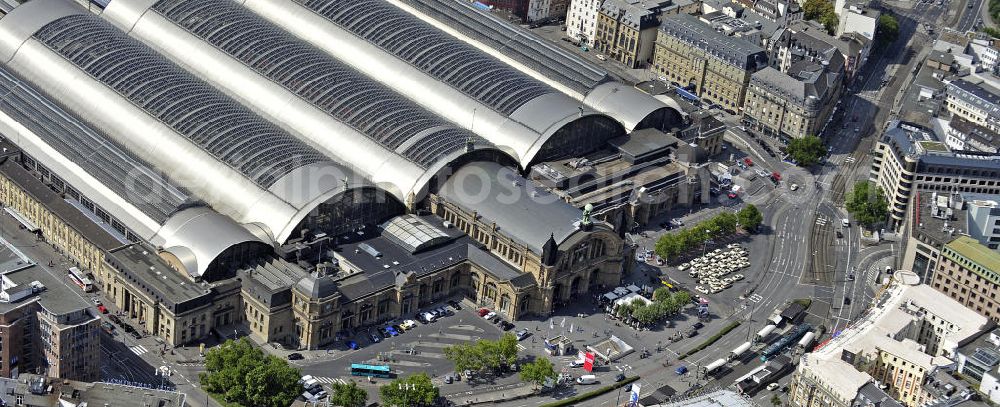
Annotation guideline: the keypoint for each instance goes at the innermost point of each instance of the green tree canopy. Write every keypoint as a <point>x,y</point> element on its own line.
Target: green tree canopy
<point>483,353</point>
<point>661,294</point>
<point>243,374</point>
<point>887,30</point>
<point>414,390</point>
<point>538,371</point>
<point>750,217</point>
<point>821,11</point>
<point>867,204</point>
<point>682,298</point>
<point>807,150</point>
<point>348,395</point>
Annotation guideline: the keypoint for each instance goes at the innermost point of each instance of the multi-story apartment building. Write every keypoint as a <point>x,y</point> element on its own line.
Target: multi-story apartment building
<point>909,158</point>
<point>961,134</point>
<point>581,20</point>
<point>45,328</point>
<point>901,344</point>
<point>794,104</point>
<point>626,29</point>
<point>977,103</point>
<point>715,67</point>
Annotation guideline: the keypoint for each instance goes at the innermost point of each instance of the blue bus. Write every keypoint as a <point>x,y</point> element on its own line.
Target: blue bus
<point>358,369</point>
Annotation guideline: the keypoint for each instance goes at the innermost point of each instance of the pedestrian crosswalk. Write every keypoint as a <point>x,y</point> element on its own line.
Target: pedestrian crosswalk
<point>849,160</point>
<point>521,347</point>
<point>821,221</point>
<point>755,297</point>
<point>138,349</point>
<point>330,380</point>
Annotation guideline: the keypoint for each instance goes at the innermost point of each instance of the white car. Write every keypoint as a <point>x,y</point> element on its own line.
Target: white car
<point>738,277</point>
<point>772,386</point>
<point>602,57</point>
<point>794,187</point>
<point>490,315</point>
<point>683,267</point>
<point>408,324</point>
<point>700,289</point>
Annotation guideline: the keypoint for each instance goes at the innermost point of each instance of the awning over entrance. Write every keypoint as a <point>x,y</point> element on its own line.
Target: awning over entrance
<point>20,218</point>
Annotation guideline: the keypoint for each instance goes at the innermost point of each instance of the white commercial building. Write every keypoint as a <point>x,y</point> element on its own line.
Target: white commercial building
<point>856,19</point>
<point>581,20</point>
<point>913,331</point>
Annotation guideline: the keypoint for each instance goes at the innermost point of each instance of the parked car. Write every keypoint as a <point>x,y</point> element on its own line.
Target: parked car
<point>374,336</point>
<point>619,377</point>
<point>455,304</point>
<point>681,370</point>
<point>102,308</point>
<point>586,379</point>
<point>353,345</point>
<point>522,334</point>
<point>390,331</point>
<point>602,57</point>
<point>748,161</point>
<point>772,386</point>
<point>408,324</point>
<point>506,326</point>
<point>108,327</point>
<point>483,312</point>
<point>489,314</point>
<point>448,379</point>
<point>97,301</point>
<point>295,356</point>
<point>575,363</point>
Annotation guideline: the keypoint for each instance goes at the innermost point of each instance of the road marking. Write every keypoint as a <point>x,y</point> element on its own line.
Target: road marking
<point>755,297</point>
<point>138,349</point>
<point>821,221</point>
<point>521,347</point>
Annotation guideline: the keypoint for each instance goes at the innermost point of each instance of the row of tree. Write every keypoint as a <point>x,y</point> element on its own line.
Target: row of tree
<point>410,391</point>
<point>484,354</point>
<point>664,305</point>
<point>723,224</point>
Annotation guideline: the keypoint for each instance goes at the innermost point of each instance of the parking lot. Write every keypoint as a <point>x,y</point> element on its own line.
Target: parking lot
<point>414,350</point>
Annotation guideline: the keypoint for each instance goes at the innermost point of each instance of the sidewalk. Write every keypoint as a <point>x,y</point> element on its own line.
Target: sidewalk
<point>490,396</point>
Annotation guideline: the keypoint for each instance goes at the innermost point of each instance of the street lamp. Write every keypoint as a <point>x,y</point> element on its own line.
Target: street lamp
<point>704,244</point>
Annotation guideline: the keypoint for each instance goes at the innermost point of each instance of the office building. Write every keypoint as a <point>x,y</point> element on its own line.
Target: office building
<point>794,104</point>
<point>858,19</point>
<point>40,391</point>
<point>909,158</point>
<point>961,134</point>
<point>713,66</point>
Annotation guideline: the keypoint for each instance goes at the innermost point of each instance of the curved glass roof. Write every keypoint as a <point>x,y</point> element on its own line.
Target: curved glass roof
<point>414,233</point>
<point>444,57</point>
<point>514,42</point>
<point>118,169</point>
<point>220,126</point>
<point>351,97</point>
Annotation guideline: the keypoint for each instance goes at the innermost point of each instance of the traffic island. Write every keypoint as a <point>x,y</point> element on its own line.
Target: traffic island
<point>708,342</point>
<point>572,401</point>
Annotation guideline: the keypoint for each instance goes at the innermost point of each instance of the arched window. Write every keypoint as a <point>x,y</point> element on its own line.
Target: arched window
<point>505,304</point>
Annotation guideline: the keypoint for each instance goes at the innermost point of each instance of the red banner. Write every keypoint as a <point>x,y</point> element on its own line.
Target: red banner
<point>588,361</point>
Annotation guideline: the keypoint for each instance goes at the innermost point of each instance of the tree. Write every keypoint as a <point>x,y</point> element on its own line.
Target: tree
<point>682,298</point>
<point>821,11</point>
<point>415,390</point>
<point>750,217</point>
<point>669,245</point>
<point>465,356</point>
<point>807,150</point>
<point>348,395</point>
<point>242,374</point>
<point>887,30</point>
<point>727,222</point>
<point>538,371</point>
<point>867,205</point>
<point>483,353</point>
<point>775,400</point>
<point>830,21</point>
<point>661,294</point>
<point>273,383</point>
